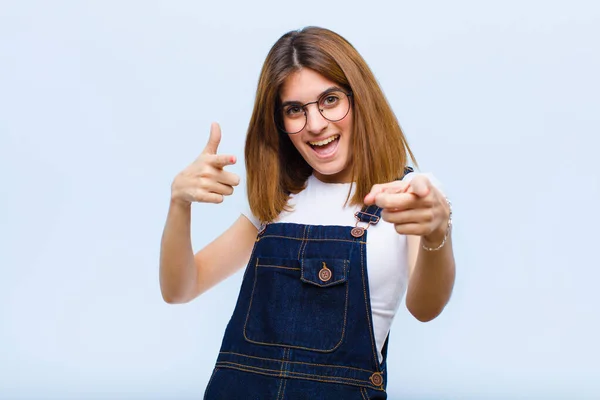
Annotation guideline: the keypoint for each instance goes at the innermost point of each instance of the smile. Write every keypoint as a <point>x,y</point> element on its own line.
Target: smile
<point>324,141</point>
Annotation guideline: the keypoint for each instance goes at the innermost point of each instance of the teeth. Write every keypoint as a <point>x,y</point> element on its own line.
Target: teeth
<point>324,141</point>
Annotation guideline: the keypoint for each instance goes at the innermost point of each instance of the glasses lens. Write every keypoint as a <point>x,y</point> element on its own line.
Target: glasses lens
<point>334,105</point>
<point>292,118</point>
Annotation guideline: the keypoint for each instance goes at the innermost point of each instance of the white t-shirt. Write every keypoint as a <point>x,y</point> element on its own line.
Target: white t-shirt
<point>387,255</point>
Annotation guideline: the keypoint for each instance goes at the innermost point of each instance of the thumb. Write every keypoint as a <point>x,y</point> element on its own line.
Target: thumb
<point>213,140</point>
<point>419,186</point>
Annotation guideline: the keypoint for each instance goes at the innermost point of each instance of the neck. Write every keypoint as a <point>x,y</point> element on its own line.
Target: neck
<point>341,177</point>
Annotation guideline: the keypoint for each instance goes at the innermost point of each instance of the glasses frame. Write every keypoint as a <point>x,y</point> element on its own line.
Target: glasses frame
<point>279,124</point>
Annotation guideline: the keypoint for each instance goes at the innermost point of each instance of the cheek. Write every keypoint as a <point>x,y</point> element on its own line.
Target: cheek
<point>346,128</point>
<point>296,141</point>
<point>346,125</point>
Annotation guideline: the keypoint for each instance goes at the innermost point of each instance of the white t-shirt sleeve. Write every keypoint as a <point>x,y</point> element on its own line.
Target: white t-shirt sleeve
<point>248,214</point>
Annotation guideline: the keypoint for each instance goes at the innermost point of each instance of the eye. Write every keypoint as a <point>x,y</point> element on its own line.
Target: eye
<point>293,111</point>
<point>330,100</point>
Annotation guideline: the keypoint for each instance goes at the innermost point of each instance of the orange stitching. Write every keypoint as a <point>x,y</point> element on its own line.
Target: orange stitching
<point>344,279</point>
<point>323,285</point>
<point>298,347</point>
<point>345,312</point>
<point>298,362</point>
<point>277,266</point>
<point>363,392</point>
<point>303,241</point>
<point>324,378</point>
<point>286,344</point>
<point>305,244</point>
<point>367,306</point>
<point>284,385</point>
<point>306,231</point>
<point>282,362</point>
<point>345,315</point>
<point>251,297</point>
<point>279,391</point>
<point>312,240</point>
<point>280,374</point>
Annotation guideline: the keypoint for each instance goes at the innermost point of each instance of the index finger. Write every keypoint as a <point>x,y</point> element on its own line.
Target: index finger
<point>223,160</point>
<point>396,201</point>
<point>420,186</point>
<point>390,187</point>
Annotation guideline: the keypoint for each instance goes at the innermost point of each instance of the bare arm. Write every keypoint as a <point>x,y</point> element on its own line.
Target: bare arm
<point>177,270</point>
<point>183,275</point>
<point>420,211</point>
<point>431,278</point>
<point>225,255</point>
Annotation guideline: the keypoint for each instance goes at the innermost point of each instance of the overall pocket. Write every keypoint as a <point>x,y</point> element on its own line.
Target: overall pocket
<point>298,303</point>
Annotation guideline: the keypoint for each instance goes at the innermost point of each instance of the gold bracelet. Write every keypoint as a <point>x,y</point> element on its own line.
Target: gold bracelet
<point>447,231</point>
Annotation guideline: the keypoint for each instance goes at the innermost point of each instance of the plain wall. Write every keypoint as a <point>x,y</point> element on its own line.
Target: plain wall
<point>103,102</point>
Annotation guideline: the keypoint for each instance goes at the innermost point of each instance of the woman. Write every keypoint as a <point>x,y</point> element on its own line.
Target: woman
<point>335,231</point>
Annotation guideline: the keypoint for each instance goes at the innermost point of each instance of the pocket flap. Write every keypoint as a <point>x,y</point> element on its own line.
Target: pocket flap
<point>324,272</point>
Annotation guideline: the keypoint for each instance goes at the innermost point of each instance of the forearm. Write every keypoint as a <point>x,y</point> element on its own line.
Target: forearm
<point>178,272</point>
<point>431,281</point>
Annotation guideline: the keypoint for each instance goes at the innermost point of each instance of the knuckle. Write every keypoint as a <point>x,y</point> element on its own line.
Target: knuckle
<point>203,182</point>
<point>387,199</point>
<point>429,216</point>
<point>205,171</point>
<point>200,160</point>
<point>428,202</point>
<point>385,215</point>
<point>392,217</point>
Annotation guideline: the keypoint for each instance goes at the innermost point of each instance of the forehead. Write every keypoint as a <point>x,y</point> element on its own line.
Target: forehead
<point>304,85</point>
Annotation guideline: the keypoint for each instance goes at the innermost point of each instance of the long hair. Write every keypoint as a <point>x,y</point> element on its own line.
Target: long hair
<point>274,167</point>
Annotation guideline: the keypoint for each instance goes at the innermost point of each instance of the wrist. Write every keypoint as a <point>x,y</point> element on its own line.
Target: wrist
<point>436,237</point>
<point>439,236</point>
<point>180,204</point>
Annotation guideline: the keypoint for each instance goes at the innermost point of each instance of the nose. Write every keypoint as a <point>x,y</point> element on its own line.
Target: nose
<point>315,122</point>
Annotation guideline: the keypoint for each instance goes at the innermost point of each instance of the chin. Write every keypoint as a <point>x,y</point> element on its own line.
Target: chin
<point>333,173</point>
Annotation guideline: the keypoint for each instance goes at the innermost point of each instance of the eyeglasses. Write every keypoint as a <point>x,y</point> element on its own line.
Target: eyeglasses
<point>333,105</point>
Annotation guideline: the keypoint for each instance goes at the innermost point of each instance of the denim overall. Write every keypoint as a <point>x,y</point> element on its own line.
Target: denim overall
<point>302,326</point>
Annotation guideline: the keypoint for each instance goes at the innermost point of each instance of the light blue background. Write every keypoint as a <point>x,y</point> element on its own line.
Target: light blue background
<point>103,102</point>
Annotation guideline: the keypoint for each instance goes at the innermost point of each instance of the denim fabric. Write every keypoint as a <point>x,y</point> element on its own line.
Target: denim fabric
<point>302,325</point>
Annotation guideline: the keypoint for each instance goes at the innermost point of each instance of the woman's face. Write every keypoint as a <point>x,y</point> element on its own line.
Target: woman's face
<point>324,144</point>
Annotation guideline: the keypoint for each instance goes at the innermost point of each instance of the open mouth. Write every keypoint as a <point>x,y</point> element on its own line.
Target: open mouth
<point>326,146</point>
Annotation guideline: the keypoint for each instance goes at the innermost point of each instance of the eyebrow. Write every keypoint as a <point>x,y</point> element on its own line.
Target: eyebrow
<point>328,90</point>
